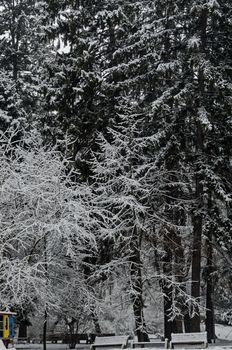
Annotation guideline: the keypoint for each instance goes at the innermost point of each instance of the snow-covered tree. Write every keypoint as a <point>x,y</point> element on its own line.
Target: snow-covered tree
<point>46,224</point>
<point>159,75</point>
<point>20,45</point>
<point>126,182</point>
<point>189,80</point>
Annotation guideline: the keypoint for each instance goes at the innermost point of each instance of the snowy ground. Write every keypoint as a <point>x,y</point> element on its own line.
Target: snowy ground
<point>220,345</point>
<point>223,333</point>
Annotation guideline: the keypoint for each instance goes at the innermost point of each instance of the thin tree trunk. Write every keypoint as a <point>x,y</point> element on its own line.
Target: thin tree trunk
<point>169,326</point>
<point>137,288</point>
<point>45,311</point>
<point>196,270</point>
<point>23,324</point>
<point>22,329</point>
<point>196,255</point>
<point>197,222</point>
<point>187,323</point>
<point>180,271</point>
<point>15,43</point>
<point>209,321</point>
<point>45,330</point>
<point>96,322</point>
<point>167,288</point>
<point>197,215</point>
<point>73,336</point>
<point>179,277</point>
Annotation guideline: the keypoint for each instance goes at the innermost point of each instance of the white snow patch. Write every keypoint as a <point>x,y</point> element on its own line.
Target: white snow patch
<point>204,118</point>
<point>223,332</point>
<point>194,42</point>
<point>213,4</point>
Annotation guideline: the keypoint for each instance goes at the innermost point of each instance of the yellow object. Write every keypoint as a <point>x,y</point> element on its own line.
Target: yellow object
<point>6,326</point>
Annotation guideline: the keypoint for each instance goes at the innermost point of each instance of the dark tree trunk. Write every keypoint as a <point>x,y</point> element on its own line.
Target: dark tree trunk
<point>87,273</point>
<point>96,322</point>
<point>167,288</point>
<point>14,41</point>
<point>187,323</point>
<point>196,253</point>
<point>137,288</point>
<point>196,270</point>
<point>45,311</point>
<point>209,321</point>
<point>23,329</point>
<point>180,270</point>
<point>72,333</point>
<point>169,326</point>
<point>197,221</point>
<point>45,331</point>
<point>198,215</point>
<point>139,321</point>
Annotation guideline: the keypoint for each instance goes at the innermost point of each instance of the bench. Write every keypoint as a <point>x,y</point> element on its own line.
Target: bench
<point>110,342</point>
<point>82,336</point>
<point>92,336</point>
<point>189,339</point>
<point>151,344</point>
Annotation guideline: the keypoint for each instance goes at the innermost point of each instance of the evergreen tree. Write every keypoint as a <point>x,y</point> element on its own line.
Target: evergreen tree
<point>19,47</point>
<point>71,78</point>
<point>124,174</point>
<point>186,109</point>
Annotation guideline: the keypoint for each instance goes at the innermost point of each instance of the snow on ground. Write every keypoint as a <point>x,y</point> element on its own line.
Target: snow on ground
<point>40,346</point>
<point>223,333</point>
<point>220,345</point>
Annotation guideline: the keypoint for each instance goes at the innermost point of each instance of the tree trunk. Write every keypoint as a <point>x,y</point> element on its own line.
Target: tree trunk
<point>180,271</point>
<point>137,288</point>
<point>45,331</point>
<point>23,329</point>
<point>197,222</point>
<point>45,311</point>
<point>167,288</point>
<point>209,321</point>
<point>196,271</point>
<point>187,323</point>
<point>72,333</point>
<point>169,326</point>
<point>196,254</point>
<point>139,320</point>
<point>197,215</point>
<point>96,322</point>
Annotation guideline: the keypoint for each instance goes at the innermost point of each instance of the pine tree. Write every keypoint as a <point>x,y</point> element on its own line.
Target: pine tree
<point>71,78</point>
<point>19,47</point>
<point>100,63</point>
<point>186,108</point>
<point>125,182</point>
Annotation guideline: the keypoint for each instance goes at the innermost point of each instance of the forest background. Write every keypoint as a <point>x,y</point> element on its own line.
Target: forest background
<point>115,168</point>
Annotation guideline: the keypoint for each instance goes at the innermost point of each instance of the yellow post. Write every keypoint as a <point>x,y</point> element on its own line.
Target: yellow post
<point>6,326</point>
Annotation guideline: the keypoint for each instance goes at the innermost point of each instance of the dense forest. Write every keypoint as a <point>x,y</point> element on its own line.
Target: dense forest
<point>116,163</point>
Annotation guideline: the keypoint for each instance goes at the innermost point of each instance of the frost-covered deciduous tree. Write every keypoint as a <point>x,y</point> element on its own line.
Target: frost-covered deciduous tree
<point>45,225</point>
